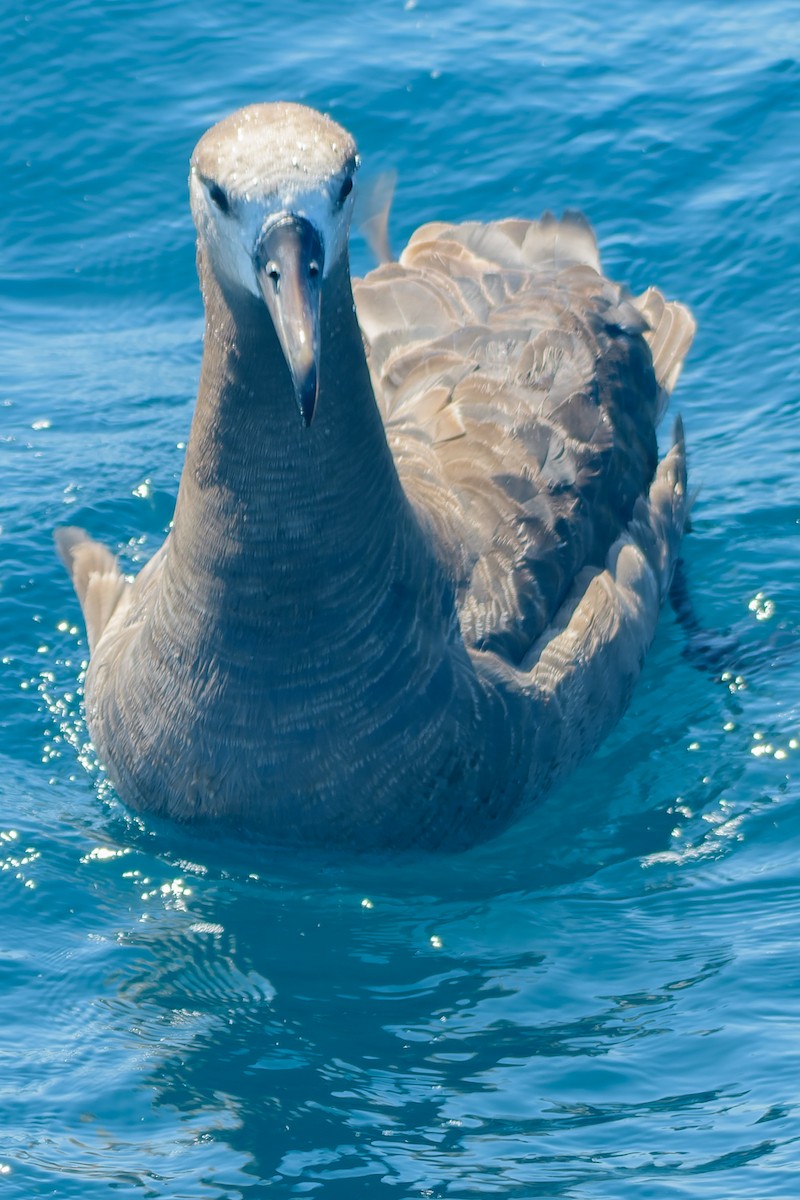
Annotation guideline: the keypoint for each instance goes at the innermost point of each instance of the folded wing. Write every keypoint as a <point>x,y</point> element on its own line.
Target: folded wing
<point>521,392</point>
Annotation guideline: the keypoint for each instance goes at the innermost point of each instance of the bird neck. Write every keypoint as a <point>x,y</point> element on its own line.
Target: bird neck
<point>269,508</point>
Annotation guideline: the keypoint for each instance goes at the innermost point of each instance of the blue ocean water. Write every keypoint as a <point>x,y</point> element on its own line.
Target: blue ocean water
<point>603,1003</point>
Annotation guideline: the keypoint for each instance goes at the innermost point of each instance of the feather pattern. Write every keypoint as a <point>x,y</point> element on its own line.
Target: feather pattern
<point>520,401</point>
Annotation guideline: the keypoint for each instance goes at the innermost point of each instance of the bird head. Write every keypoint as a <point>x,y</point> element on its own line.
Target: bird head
<point>272,196</point>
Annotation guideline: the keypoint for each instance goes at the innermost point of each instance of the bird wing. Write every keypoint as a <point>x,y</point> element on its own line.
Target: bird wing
<point>108,599</point>
<point>520,399</point>
<point>101,587</point>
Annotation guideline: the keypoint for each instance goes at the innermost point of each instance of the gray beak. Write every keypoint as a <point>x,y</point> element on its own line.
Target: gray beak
<point>289,261</point>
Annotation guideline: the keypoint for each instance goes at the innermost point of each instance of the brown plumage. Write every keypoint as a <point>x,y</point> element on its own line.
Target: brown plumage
<point>396,624</point>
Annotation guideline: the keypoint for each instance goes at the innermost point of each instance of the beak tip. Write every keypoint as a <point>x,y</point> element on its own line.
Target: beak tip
<point>307,399</point>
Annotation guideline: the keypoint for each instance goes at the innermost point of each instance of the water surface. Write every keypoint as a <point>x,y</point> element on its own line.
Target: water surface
<point>602,1003</point>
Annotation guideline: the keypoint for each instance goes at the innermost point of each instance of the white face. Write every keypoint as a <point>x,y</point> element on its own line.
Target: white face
<point>264,162</point>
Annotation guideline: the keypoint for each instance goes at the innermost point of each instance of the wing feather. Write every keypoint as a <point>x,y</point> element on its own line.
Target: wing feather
<point>98,582</point>
<point>520,391</point>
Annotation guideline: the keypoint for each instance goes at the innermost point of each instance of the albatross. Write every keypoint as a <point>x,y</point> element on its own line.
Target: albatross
<point>422,533</point>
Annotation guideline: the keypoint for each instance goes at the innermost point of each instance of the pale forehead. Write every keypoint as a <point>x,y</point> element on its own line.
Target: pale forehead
<point>273,147</point>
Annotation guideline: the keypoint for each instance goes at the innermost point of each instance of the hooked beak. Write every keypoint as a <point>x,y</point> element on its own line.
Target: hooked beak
<point>288,261</point>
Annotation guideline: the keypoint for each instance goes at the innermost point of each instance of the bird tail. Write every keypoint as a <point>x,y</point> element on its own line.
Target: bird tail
<point>373,204</point>
<point>97,580</point>
<point>670,335</point>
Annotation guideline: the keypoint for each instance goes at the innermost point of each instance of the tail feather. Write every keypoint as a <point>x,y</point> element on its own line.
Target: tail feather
<point>372,214</point>
<point>97,580</point>
<point>670,335</point>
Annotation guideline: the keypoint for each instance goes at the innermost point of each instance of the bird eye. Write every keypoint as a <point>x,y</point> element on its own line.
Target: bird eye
<point>313,268</point>
<point>219,198</point>
<point>347,188</point>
